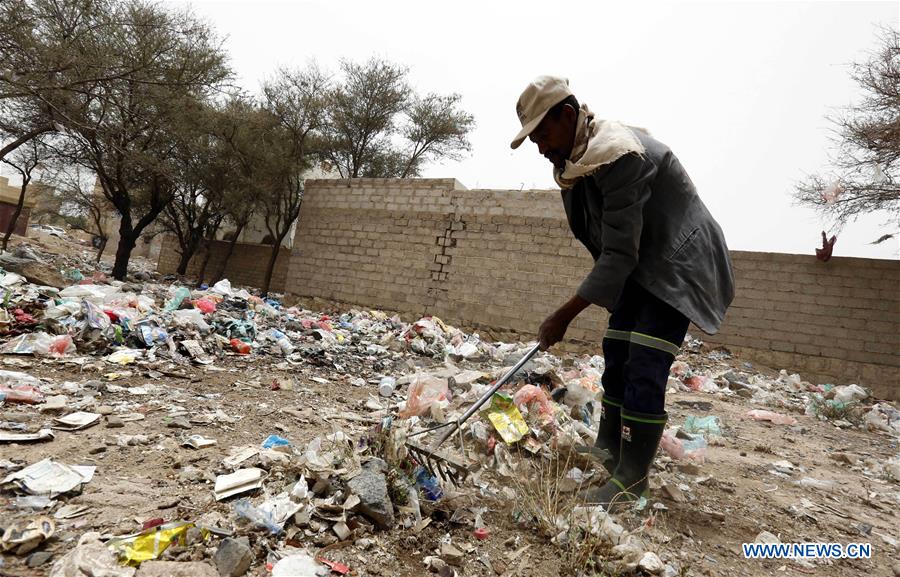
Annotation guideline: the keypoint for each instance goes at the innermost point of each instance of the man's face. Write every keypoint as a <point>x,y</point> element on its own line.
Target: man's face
<point>554,137</point>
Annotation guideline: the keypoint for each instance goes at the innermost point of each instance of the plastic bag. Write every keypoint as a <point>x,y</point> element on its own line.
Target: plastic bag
<point>693,449</point>
<point>178,297</point>
<point>20,394</point>
<point>531,397</point>
<point>223,287</point>
<point>709,424</point>
<point>244,509</point>
<point>151,543</point>
<point>17,378</point>
<point>776,418</point>
<point>192,317</point>
<point>206,306</point>
<point>424,391</point>
<point>506,418</point>
<point>40,343</point>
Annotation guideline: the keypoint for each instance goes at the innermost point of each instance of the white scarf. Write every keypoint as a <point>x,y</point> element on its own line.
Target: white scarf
<point>597,143</point>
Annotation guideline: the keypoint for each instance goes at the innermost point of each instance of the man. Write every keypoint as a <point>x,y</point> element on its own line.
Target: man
<point>660,262</point>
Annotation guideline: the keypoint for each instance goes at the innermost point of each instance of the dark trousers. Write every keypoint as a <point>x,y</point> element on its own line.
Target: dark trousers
<point>643,337</point>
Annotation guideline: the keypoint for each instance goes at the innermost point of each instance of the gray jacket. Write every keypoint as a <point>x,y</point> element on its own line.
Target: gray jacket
<point>640,216</point>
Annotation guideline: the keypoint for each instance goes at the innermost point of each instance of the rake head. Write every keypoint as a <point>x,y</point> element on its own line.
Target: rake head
<point>439,464</point>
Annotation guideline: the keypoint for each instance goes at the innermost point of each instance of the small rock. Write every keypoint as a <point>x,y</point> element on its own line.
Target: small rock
<point>97,449</point>
<point>178,423</point>
<point>105,410</point>
<point>233,557</point>
<point>175,569</point>
<point>435,564</point>
<point>651,563</point>
<point>342,531</point>
<point>169,503</point>
<point>365,543</point>
<point>451,554</point>
<point>39,558</point>
<point>194,536</point>
<point>845,458</point>
<point>689,468</point>
<point>114,422</point>
<point>191,474</point>
<point>896,569</point>
<point>766,537</point>
<point>674,493</point>
<point>371,488</point>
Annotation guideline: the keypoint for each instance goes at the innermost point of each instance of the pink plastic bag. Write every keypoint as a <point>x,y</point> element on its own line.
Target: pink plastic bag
<point>672,446</point>
<point>206,306</point>
<point>21,394</point>
<point>424,392</point>
<point>776,418</point>
<point>676,448</point>
<point>695,383</point>
<point>529,396</point>
<point>62,345</point>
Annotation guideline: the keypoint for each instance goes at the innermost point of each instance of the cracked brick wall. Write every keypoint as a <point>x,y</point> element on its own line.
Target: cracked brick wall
<point>502,260</point>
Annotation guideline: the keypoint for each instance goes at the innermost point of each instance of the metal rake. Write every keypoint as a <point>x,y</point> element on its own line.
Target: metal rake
<point>448,467</point>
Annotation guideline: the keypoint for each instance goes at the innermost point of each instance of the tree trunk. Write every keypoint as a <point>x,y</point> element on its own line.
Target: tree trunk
<point>183,262</point>
<point>102,247</point>
<point>127,242</point>
<point>15,216</point>
<point>270,269</point>
<point>207,244</point>
<point>228,253</point>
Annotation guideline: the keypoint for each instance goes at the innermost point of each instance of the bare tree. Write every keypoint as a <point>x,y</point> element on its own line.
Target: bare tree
<point>379,127</point>
<point>867,156</point>
<point>25,164</point>
<point>243,124</point>
<point>52,58</point>
<point>128,136</point>
<point>201,174</point>
<point>80,203</point>
<point>435,129</point>
<point>295,99</point>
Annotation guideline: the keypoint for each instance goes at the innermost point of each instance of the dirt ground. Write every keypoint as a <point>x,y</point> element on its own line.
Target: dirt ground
<point>696,529</point>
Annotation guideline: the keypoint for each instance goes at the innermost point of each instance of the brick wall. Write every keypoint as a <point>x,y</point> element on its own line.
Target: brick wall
<point>503,260</point>
<point>6,213</point>
<point>247,265</point>
<point>838,320</point>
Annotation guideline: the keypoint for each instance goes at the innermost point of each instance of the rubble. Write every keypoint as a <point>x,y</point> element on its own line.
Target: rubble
<point>372,489</point>
<point>233,557</point>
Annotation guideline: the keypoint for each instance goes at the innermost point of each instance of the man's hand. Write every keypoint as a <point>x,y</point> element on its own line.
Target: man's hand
<point>553,329</point>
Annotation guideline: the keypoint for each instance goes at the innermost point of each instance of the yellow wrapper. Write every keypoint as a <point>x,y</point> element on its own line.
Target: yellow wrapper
<point>149,544</point>
<point>506,418</point>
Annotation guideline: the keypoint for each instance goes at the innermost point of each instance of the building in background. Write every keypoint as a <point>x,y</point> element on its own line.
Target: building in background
<point>9,199</point>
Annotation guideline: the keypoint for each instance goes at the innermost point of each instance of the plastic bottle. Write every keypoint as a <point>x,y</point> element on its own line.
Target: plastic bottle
<point>428,484</point>
<point>386,386</point>
<point>284,343</point>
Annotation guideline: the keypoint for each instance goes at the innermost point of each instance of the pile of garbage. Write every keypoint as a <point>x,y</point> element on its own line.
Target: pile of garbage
<point>317,507</point>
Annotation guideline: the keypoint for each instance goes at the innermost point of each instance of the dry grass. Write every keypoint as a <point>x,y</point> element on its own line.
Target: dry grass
<point>547,503</point>
<point>852,411</point>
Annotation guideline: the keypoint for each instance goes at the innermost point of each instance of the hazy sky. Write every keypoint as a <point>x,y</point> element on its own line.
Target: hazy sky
<point>739,90</point>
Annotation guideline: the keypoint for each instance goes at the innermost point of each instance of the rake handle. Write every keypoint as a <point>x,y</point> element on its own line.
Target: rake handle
<point>484,398</point>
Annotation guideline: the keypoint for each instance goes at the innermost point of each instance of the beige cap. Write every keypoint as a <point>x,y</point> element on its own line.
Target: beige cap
<point>536,100</point>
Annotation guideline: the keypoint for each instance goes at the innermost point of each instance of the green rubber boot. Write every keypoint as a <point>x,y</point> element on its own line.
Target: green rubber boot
<point>609,438</point>
<point>641,434</point>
